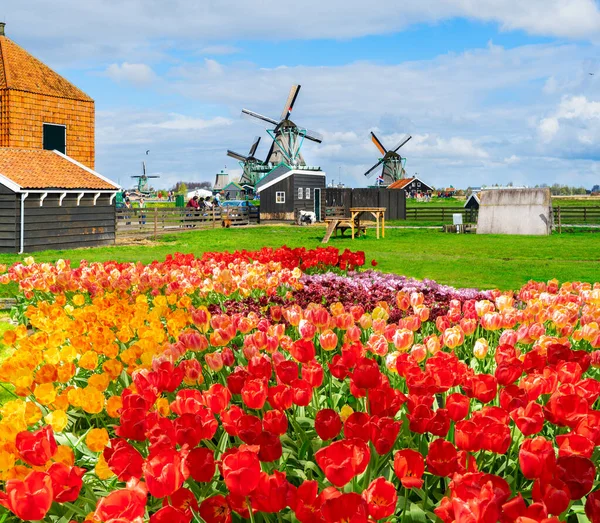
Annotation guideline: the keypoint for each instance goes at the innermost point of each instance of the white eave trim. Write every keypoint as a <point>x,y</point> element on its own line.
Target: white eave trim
<point>473,195</point>
<point>91,171</point>
<point>288,174</point>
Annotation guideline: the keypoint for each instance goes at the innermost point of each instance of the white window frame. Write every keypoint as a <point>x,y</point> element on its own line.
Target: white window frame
<point>280,197</point>
<point>300,193</point>
<point>307,196</point>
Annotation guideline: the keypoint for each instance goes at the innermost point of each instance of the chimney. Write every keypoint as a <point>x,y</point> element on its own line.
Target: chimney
<point>2,24</point>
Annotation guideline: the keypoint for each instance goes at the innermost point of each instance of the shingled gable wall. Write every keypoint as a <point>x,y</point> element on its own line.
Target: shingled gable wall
<point>34,98</point>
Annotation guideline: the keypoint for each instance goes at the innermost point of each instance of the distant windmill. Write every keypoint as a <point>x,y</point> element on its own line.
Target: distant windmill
<point>143,180</point>
<point>250,164</point>
<point>393,168</point>
<point>287,136</point>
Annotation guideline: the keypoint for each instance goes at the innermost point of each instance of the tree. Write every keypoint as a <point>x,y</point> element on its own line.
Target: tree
<point>181,188</point>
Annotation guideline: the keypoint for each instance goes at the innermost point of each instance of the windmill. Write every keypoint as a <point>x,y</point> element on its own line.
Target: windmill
<point>250,164</point>
<point>393,168</point>
<point>143,180</point>
<point>287,136</point>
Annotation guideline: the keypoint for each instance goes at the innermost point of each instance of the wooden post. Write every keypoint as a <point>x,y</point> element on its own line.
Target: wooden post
<point>585,215</point>
<point>155,222</point>
<point>213,217</point>
<point>559,222</point>
<point>383,225</point>
<point>377,219</point>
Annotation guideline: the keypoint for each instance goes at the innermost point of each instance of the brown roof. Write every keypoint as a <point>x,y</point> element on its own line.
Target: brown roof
<point>41,169</point>
<point>400,184</point>
<point>21,71</point>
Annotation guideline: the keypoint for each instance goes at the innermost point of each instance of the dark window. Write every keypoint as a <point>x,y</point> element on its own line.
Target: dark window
<point>55,137</point>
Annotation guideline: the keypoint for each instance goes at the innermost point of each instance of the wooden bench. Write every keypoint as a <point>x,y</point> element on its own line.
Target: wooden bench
<point>342,224</point>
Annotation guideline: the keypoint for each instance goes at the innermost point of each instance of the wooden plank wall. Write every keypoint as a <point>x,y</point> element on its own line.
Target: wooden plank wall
<point>393,201</point>
<point>69,226</point>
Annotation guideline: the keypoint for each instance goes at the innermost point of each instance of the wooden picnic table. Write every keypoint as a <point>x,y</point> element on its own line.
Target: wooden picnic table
<point>377,212</point>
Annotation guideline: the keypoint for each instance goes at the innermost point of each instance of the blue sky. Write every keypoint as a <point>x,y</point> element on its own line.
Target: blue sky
<point>492,92</point>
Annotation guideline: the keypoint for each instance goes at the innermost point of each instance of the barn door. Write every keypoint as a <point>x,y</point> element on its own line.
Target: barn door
<point>318,204</point>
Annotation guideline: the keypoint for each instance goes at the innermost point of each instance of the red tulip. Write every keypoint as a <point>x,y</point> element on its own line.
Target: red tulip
<point>366,374</point>
<point>578,473</point>
<point>312,372</point>
<point>592,505</point>
<point>275,422</point>
<point>343,460</point>
<point>215,510</point>
<point>327,424</point>
<point>169,514</point>
<point>482,387</point>
<point>345,508</point>
<point>384,432</point>
<point>270,447</point>
<point>123,459</point>
<point>565,409</point>
<point>303,350</point>
<point>553,492</point>
<point>286,371</point>
<point>536,458</point>
<point>409,466</point>
<point>442,458</point>
<point>217,398</point>
<point>381,498</point>
<point>29,499</point>
<point>271,493</point>
<point>66,482</point>
<point>201,463</point>
<point>439,424</point>
<point>165,471</point>
<point>241,472</point>
<point>281,396</point>
<point>358,426</point>
<point>183,500</point>
<point>419,418</point>
<point>254,393</point>
<point>249,428</point>
<point>36,448</point>
<point>301,392</point>
<point>128,504</point>
<point>529,419</point>
<point>458,406</point>
<point>574,445</point>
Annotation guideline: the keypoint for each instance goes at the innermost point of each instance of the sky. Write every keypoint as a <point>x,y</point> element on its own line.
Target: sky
<point>491,91</point>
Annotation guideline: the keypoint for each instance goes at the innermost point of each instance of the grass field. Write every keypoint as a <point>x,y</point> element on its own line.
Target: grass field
<point>506,262</point>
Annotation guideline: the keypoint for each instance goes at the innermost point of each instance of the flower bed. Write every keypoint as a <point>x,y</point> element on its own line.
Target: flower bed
<point>239,386</point>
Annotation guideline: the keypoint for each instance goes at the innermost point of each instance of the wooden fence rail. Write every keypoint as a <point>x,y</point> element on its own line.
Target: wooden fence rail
<point>140,223</point>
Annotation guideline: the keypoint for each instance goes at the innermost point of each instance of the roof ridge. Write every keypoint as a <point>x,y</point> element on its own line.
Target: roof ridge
<point>3,64</point>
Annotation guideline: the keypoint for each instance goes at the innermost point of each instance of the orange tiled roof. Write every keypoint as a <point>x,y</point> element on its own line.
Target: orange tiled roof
<point>400,184</point>
<point>21,71</point>
<point>41,169</point>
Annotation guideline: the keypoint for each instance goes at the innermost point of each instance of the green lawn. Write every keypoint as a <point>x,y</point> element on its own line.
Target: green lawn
<point>506,262</point>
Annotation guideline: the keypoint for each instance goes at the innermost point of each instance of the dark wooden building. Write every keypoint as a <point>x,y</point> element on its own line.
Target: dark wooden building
<point>472,201</point>
<point>411,186</point>
<point>345,198</point>
<point>50,201</point>
<point>284,192</point>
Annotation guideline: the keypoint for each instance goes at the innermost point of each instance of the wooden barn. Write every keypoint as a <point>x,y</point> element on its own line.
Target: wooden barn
<point>411,186</point>
<point>50,201</point>
<point>472,201</point>
<point>284,192</point>
<point>234,191</point>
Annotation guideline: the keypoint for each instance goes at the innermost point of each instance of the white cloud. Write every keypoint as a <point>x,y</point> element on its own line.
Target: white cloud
<point>179,122</point>
<point>219,50</point>
<point>139,75</point>
<point>101,29</point>
<point>548,128</point>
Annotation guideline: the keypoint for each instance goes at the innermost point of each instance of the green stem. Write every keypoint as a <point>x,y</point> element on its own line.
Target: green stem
<point>405,510</point>
<point>250,509</point>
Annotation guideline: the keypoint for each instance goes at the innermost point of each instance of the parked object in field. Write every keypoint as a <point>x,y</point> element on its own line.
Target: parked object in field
<point>306,218</point>
<point>515,211</point>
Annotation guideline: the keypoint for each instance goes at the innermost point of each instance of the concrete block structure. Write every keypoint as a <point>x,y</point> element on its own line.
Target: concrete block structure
<point>515,211</point>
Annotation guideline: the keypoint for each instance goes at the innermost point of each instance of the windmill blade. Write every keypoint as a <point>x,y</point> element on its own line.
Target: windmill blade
<point>237,156</point>
<point>378,144</point>
<point>254,147</point>
<point>289,104</point>
<point>370,171</point>
<point>402,142</point>
<point>152,176</point>
<point>270,151</point>
<point>313,136</point>
<point>253,117</point>
<point>144,167</point>
<point>137,176</point>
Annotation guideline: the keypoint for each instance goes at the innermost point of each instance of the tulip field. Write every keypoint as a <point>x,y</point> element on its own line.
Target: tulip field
<point>296,385</point>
